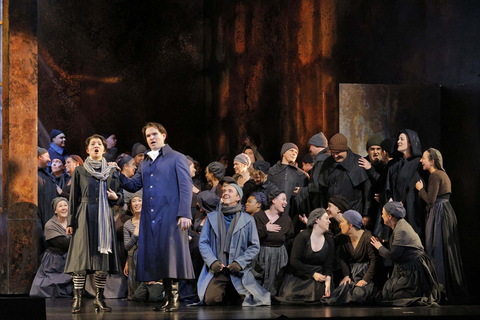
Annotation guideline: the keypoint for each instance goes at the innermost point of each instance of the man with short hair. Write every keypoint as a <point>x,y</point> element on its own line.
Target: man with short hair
<point>373,165</point>
<point>228,244</point>
<point>163,251</point>
<point>112,153</point>
<point>341,175</point>
<point>138,153</point>
<point>287,176</point>
<point>57,145</point>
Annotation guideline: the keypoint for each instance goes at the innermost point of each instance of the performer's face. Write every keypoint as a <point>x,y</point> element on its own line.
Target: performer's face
<point>338,156</point>
<point>155,139</point>
<point>96,149</point>
<point>375,154</point>
<point>230,196</point>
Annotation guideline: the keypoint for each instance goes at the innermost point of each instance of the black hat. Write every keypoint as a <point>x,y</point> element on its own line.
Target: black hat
<point>123,159</point>
<point>54,133</point>
<point>218,169</point>
<point>307,158</point>
<point>387,145</point>
<point>375,140</point>
<point>228,180</point>
<point>137,149</point>
<point>340,201</point>
<point>262,166</point>
<point>57,156</point>
<point>208,201</point>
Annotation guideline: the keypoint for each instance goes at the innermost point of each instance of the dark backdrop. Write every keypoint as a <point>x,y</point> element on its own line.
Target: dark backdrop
<point>214,70</point>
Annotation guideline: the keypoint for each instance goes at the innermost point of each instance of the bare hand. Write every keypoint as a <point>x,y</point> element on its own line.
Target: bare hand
<point>125,270</point>
<point>419,185</point>
<point>111,195</point>
<point>195,190</point>
<point>114,163</point>
<point>374,242</point>
<point>377,197</point>
<point>345,281</point>
<point>361,283</point>
<point>319,277</point>
<point>273,227</point>
<point>69,231</point>
<point>366,221</point>
<point>327,291</point>
<point>184,223</point>
<point>303,218</point>
<point>362,163</point>
<point>295,191</point>
<point>59,190</point>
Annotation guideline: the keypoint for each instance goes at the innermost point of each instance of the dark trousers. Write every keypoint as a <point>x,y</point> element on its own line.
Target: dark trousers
<point>220,289</point>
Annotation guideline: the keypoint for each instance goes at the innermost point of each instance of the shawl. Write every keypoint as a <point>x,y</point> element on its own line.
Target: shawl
<point>224,237</point>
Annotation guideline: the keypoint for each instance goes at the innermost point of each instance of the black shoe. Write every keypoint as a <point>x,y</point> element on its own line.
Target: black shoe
<point>168,290</point>
<point>77,300</point>
<point>99,304</point>
<point>173,301</point>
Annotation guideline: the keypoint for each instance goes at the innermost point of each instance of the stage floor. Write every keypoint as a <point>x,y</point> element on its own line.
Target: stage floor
<point>128,310</point>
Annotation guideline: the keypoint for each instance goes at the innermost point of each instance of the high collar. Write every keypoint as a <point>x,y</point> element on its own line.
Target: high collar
<point>56,148</point>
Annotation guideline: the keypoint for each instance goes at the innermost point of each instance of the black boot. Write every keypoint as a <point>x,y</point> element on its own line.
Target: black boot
<point>99,304</point>
<point>77,300</point>
<point>173,302</point>
<point>168,290</point>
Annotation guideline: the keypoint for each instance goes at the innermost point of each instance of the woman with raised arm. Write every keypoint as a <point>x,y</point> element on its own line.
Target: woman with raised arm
<point>441,232</point>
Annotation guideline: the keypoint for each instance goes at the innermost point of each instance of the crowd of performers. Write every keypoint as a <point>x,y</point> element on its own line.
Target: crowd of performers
<point>150,226</point>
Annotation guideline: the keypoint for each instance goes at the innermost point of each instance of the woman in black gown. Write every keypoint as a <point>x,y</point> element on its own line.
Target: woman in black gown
<point>402,177</point>
<point>413,280</point>
<point>93,248</point>
<point>441,233</point>
<point>311,261</point>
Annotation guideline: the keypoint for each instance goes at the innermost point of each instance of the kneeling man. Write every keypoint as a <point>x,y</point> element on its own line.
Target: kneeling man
<point>228,244</point>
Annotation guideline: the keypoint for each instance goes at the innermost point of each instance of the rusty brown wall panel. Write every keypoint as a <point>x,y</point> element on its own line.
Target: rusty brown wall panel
<point>366,109</point>
<point>19,149</point>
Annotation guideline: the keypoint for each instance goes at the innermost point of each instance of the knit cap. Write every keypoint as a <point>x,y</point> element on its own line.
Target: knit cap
<point>287,146</point>
<point>338,142</point>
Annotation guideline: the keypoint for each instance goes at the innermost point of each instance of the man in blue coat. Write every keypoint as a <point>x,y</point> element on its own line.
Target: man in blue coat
<point>228,244</point>
<point>163,251</point>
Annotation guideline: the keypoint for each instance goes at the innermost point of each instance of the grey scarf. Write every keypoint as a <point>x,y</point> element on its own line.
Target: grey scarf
<point>224,237</point>
<point>104,224</point>
<point>53,229</point>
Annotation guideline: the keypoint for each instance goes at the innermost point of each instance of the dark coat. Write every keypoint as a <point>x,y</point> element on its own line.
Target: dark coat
<point>47,191</point>
<point>83,217</point>
<point>310,196</point>
<point>347,179</point>
<point>287,178</point>
<point>401,180</point>
<point>374,175</point>
<point>163,250</point>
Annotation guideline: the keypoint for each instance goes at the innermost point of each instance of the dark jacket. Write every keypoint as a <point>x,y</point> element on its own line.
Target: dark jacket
<point>401,180</point>
<point>163,250</point>
<point>47,191</point>
<point>250,187</point>
<point>347,179</point>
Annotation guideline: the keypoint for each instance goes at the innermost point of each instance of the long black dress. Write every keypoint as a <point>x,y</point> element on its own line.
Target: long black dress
<point>441,237</point>
<point>401,180</point>
<point>300,286</point>
<point>414,280</point>
<point>83,253</point>
<point>359,263</point>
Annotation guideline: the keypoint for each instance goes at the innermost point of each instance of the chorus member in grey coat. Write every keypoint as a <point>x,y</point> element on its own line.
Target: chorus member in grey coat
<point>94,192</point>
<point>163,251</point>
<point>228,244</point>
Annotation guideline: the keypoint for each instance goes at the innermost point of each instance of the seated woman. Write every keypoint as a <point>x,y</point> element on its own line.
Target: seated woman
<point>358,259</point>
<point>311,260</point>
<point>441,240</point>
<point>50,280</point>
<point>255,203</point>
<point>131,230</point>
<point>413,280</point>
<point>275,230</point>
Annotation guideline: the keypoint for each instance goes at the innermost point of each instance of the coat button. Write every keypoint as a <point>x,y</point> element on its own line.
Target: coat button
<point>153,221</point>
<point>151,210</point>
<point>151,187</point>
<point>151,175</point>
<point>151,198</point>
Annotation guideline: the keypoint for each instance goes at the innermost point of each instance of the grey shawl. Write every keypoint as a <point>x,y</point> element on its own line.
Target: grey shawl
<point>104,226</point>
<point>53,229</point>
<point>224,237</point>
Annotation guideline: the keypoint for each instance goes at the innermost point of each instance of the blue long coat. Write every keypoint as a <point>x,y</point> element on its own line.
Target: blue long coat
<point>244,247</point>
<point>167,195</point>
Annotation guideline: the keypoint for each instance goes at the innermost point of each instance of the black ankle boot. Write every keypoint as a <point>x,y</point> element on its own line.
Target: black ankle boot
<point>173,302</point>
<point>168,289</point>
<point>77,300</point>
<point>99,304</point>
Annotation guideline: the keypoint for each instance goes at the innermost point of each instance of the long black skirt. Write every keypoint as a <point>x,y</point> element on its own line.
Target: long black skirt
<point>442,246</point>
<point>413,283</point>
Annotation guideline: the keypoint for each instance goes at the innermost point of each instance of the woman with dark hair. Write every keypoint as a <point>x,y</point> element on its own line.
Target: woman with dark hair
<point>50,280</point>
<point>402,177</point>
<point>413,280</point>
<point>275,230</point>
<point>311,260</point>
<point>93,249</point>
<point>71,162</point>
<point>358,259</point>
<point>131,229</point>
<point>256,203</point>
<point>250,153</point>
<point>441,233</point>
<point>214,173</point>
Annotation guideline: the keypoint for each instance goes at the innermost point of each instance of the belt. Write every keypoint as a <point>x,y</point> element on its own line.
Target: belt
<point>88,200</point>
